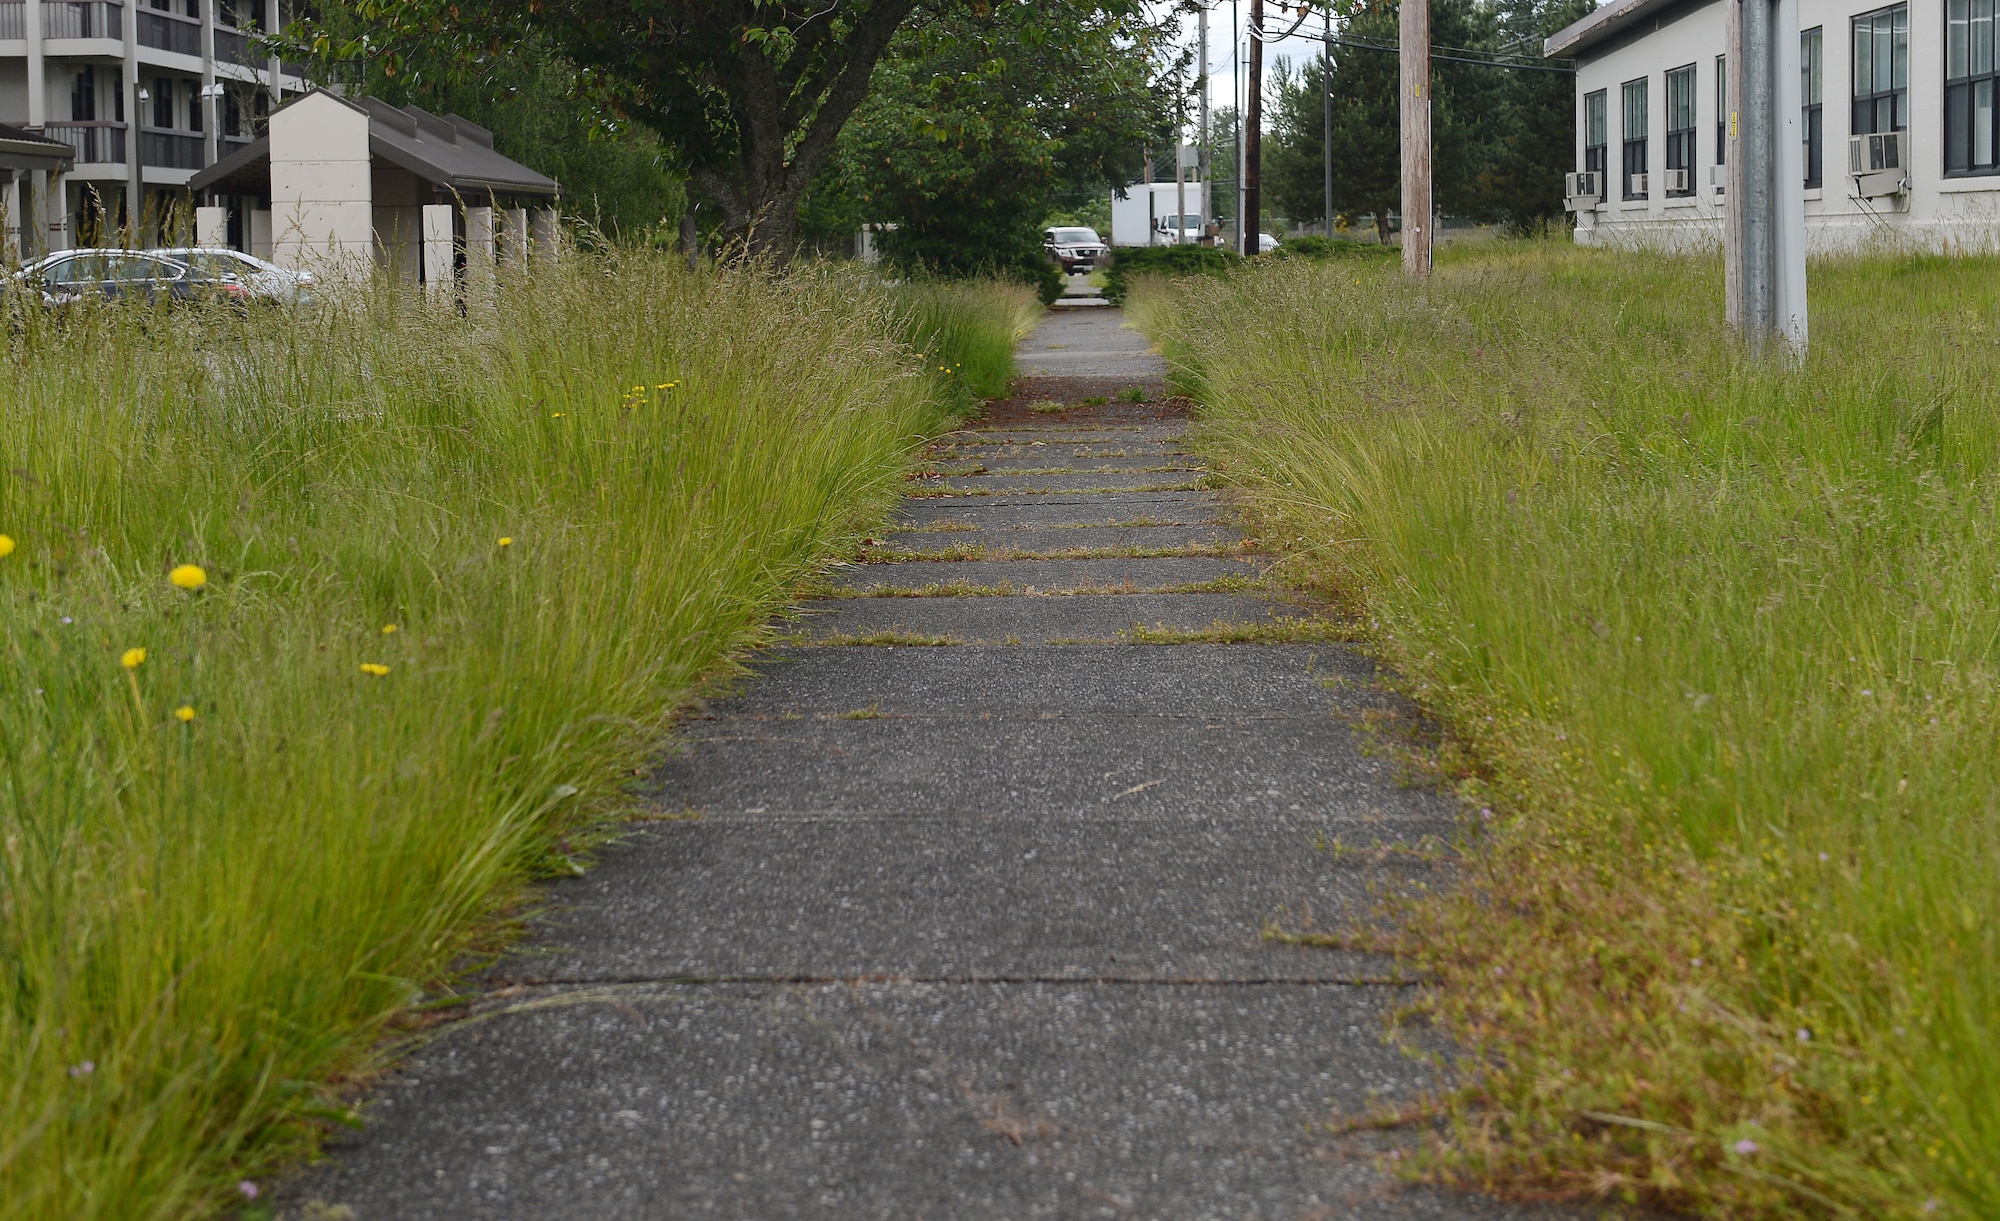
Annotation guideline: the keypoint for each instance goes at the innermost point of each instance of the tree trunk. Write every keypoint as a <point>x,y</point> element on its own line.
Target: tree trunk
<point>759,193</point>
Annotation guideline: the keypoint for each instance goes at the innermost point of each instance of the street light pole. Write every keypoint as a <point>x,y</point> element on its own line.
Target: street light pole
<point>1207,203</point>
<point>1326,142</point>
<point>1253,136</point>
<point>1764,229</point>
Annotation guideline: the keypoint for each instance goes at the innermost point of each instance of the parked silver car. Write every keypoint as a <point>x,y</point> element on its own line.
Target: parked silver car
<point>265,280</point>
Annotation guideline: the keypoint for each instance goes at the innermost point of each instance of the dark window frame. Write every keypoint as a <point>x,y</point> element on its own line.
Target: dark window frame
<point>1969,87</point>
<point>1597,157</point>
<point>1812,103</point>
<point>1681,141</point>
<point>1866,112</point>
<point>1635,151</point>
<point>1722,110</point>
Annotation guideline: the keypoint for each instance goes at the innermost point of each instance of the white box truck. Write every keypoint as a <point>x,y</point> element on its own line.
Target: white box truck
<point>1143,215</point>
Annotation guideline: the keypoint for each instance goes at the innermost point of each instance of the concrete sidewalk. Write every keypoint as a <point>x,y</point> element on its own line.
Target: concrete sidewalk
<point>967,930</point>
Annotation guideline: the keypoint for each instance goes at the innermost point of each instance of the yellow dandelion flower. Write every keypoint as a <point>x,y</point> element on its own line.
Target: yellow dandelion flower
<point>188,576</point>
<point>663,385</point>
<point>388,629</point>
<point>6,546</point>
<point>555,415</point>
<point>184,713</point>
<point>375,668</point>
<point>506,540</point>
<point>132,659</point>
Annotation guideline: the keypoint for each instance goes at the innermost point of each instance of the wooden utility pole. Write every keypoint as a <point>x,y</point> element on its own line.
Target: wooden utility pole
<point>1415,60</point>
<point>1253,135</point>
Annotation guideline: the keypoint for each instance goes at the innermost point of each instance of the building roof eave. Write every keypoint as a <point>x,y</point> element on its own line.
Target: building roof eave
<point>1600,24</point>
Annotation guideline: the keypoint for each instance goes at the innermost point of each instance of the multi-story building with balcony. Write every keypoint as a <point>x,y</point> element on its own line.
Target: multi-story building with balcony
<point>147,93</point>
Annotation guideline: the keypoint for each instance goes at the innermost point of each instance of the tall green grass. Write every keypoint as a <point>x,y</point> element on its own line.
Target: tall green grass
<point>547,519</point>
<point>1721,646</point>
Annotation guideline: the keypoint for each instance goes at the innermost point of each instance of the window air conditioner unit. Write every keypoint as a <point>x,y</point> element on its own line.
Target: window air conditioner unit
<point>1879,163</point>
<point>1675,180</point>
<point>1582,190</point>
<point>1718,177</point>
<point>1639,185</point>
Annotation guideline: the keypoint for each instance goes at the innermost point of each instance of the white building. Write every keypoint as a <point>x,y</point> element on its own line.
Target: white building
<point>1919,77</point>
<point>146,94</point>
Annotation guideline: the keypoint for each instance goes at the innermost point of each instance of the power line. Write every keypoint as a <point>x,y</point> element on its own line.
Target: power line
<point>1456,59</point>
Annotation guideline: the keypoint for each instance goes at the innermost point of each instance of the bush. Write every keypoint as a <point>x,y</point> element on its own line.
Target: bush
<point>1129,261</point>
<point>1318,248</point>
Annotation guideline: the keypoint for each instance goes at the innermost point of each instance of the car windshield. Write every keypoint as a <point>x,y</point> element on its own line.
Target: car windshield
<point>1191,221</point>
<point>1071,237</point>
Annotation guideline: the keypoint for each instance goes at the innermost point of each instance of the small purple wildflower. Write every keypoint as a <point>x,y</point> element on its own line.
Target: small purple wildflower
<point>1746,1146</point>
<point>84,1069</point>
<point>1805,1036</point>
<point>248,1189</point>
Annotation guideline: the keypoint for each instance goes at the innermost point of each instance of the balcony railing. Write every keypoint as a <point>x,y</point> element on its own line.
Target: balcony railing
<point>82,19</point>
<point>169,32</point>
<point>97,141</point>
<point>167,149</point>
<point>13,19</point>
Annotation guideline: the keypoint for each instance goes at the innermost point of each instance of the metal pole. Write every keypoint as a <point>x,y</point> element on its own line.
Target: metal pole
<point>1788,212</point>
<point>1415,112</point>
<point>1253,137</point>
<point>1207,203</point>
<point>1732,194</point>
<point>1750,156</point>
<point>1180,168</point>
<point>1326,142</point>
<point>1236,104</point>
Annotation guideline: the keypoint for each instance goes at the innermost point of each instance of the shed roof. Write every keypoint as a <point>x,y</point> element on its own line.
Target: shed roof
<point>449,151</point>
<point>24,150</point>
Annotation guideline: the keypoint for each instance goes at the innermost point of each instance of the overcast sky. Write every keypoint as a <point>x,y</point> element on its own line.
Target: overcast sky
<point>1221,63</point>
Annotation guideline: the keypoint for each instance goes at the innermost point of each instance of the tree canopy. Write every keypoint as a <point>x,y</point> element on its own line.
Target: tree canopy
<point>749,96</point>
<point>542,109</point>
<point>1501,134</point>
<point>977,121</point>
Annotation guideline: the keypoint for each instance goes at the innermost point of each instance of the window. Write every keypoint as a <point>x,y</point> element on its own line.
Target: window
<point>83,95</point>
<point>163,101</point>
<point>194,103</point>
<point>1882,71</point>
<point>1812,81</point>
<point>1722,110</point>
<point>1680,133</point>
<point>1970,69</point>
<point>1633,96</point>
<point>1596,137</point>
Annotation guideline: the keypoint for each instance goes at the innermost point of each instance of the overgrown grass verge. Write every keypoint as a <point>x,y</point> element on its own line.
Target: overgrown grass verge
<point>457,572</point>
<point>1719,647</point>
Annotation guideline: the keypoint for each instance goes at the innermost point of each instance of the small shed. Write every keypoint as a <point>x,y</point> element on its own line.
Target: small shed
<point>357,181</point>
<point>31,169</point>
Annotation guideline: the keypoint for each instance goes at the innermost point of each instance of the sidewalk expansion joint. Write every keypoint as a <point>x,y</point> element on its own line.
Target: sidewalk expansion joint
<point>515,988</point>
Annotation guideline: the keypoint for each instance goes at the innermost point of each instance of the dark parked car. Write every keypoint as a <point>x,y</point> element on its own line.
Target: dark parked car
<point>72,276</point>
<point>1077,249</point>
